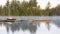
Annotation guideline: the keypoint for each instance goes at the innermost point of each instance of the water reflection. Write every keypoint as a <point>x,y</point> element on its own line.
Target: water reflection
<point>32,27</point>
<point>48,26</point>
<point>56,21</point>
<point>25,25</point>
<point>0,23</point>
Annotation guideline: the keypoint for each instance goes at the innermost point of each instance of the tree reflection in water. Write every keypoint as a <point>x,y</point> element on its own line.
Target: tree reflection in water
<point>0,23</point>
<point>48,26</point>
<point>57,22</point>
<point>15,27</point>
<point>25,25</point>
<point>32,27</point>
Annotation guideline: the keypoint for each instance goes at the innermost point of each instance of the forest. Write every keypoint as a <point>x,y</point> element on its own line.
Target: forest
<point>17,8</point>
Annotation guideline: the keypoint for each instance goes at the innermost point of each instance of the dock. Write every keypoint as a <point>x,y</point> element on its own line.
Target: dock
<point>45,20</point>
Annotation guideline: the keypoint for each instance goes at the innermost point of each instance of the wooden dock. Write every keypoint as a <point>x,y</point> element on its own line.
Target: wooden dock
<point>46,20</point>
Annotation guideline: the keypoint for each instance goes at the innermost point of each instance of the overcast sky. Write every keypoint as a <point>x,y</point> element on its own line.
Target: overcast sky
<point>42,3</point>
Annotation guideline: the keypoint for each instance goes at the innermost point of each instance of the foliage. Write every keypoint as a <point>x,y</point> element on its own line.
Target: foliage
<point>17,8</point>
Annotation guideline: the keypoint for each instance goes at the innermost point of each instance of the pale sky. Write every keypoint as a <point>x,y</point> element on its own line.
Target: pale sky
<point>42,3</point>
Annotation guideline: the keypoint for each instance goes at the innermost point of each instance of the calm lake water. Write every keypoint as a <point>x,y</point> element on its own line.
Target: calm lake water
<point>24,27</point>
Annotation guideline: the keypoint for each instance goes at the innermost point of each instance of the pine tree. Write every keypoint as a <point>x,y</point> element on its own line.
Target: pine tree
<point>47,10</point>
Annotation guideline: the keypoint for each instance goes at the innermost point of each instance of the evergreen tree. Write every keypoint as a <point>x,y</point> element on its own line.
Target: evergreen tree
<point>47,10</point>
<point>0,10</point>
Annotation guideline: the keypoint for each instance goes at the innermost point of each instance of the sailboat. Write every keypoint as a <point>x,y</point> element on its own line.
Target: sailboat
<point>9,18</point>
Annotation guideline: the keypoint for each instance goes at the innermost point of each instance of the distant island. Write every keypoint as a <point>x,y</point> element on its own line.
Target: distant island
<point>17,8</point>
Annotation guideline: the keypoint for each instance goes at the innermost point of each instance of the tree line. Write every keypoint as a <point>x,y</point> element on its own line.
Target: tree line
<point>17,8</point>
